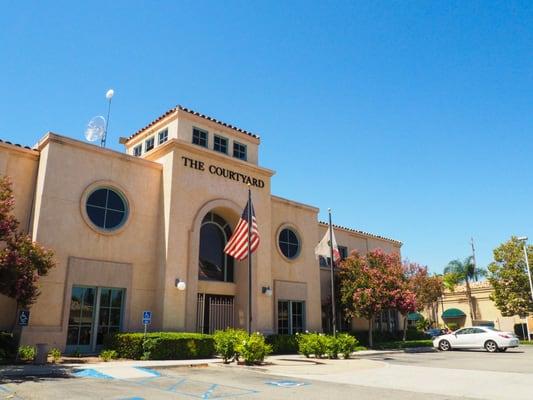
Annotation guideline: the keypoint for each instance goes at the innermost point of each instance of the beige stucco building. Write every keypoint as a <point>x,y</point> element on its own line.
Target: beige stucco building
<point>453,309</point>
<point>127,228</point>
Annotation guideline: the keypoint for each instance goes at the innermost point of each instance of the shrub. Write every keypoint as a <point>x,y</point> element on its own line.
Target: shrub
<point>226,343</point>
<point>178,346</point>
<point>107,355</point>
<point>27,353</point>
<point>161,345</point>
<point>312,343</point>
<point>332,346</point>
<point>127,345</point>
<point>8,347</point>
<point>55,354</point>
<point>415,334</point>
<point>253,349</point>
<point>346,344</point>
<point>453,325</point>
<point>283,344</point>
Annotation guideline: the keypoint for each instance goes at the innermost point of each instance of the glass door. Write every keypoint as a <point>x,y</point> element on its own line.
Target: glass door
<point>94,313</point>
<point>109,313</point>
<point>81,319</point>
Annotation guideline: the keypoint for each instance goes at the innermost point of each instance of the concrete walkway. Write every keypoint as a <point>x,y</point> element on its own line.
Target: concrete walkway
<point>117,369</point>
<point>476,384</point>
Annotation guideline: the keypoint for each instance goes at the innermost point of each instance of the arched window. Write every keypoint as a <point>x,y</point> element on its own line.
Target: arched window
<point>214,264</point>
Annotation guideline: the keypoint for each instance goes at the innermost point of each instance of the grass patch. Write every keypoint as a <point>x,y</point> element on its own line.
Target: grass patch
<point>527,342</point>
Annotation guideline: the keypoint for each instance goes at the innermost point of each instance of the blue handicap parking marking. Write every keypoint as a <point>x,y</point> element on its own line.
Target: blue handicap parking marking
<point>91,373</point>
<point>3,389</point>
<point>286,384</point>
<point>181,385</point>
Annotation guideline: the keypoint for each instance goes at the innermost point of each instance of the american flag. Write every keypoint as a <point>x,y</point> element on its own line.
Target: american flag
<point>237,246</point>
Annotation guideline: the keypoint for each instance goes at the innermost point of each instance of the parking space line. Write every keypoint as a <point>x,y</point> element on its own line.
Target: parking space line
<point>174,386</point>
<point>209,391</point>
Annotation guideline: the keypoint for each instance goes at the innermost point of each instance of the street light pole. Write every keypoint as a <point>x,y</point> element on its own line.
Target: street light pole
<point>523,239</point>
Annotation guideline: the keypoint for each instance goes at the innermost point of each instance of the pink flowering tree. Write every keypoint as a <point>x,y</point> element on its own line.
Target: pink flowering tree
<point>22,261</point>
<point>371,284</point>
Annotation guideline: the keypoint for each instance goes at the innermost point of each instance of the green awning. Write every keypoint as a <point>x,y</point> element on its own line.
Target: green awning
<point>414,316</point>
<point>453,313</point>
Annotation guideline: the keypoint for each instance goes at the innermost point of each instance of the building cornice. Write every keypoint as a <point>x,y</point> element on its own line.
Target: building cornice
<point>181,111</point>
<point>24,151</point>
<point>51,137</point>
<point>361,233</point>
<point>295,203</point>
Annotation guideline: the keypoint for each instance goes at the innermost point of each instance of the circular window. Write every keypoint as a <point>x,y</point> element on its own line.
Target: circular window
<point>106,208</point>
<point>289,243</point>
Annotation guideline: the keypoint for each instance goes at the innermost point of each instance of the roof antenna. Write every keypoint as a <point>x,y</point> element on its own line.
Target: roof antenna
<point>109,95</point>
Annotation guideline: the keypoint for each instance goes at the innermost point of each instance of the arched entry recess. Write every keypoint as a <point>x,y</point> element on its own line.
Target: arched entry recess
<point>229,212</point>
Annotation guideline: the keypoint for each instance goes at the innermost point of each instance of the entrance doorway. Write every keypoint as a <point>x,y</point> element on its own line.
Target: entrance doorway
<point>214,313</point>
<point>94,313</point>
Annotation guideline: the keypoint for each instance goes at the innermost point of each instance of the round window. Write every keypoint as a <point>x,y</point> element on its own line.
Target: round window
<point>106,208</point>
<point>289,243</point>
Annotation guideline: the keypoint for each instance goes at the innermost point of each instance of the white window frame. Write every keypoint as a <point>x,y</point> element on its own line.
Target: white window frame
<point>162,136</point>
<point>138,150</point>
<point>151,140</point>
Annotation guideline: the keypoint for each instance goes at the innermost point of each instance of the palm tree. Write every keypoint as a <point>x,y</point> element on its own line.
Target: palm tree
<point>466,272</point>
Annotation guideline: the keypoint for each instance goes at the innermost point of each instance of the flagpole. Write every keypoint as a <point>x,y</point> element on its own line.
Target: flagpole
<point>249,260</point>
<point>333,317</point>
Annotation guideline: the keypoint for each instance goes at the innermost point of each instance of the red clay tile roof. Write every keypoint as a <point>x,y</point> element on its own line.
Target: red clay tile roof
<point>361,232</point>
<point>16,145</point>
<point>179,107</point>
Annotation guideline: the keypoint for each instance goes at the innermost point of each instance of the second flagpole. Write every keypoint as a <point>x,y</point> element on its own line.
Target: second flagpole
<point>333,317</point>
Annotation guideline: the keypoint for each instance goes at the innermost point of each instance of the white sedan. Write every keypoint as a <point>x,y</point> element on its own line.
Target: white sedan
<point>477,337</point>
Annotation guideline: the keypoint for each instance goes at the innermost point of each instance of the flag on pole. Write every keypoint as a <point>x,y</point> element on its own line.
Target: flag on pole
<point>237,246</point>
<point>323,248</point>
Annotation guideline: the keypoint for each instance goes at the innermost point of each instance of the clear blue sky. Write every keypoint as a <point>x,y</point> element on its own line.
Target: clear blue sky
<point>411,119</point>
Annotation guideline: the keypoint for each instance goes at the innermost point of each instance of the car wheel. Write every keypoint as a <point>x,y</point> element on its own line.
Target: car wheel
<point>491,346</point>
<point>444,345</point>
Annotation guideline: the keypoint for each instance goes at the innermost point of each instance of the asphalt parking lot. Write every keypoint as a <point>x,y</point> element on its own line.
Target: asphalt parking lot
<point>213,382</point>
<point>518,360</point>
<point>399,376</point>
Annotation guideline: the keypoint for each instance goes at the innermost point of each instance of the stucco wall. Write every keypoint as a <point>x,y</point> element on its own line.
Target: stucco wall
<point>297,279</point>
<point>188,195</point>
<point>67,171</point>
<point>20,165</point>
<point>484,306</point>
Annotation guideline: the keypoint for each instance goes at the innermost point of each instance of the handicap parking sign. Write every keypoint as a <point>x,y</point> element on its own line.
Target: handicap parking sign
<point>24,317</point>
<point>147,317</point>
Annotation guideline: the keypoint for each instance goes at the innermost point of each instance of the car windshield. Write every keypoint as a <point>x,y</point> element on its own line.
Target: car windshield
<point>490,328</point>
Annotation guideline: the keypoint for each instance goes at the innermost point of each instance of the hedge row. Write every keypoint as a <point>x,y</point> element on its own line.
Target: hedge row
<point>283,344</point>
<point>161,345</point>
<point>8,347</point>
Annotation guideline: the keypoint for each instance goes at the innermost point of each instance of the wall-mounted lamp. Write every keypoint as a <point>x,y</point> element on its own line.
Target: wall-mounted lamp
<point>180,285</point>
<point>266,290</point>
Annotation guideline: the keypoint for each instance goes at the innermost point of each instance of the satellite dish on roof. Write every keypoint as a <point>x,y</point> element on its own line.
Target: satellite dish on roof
<point>95,129</point>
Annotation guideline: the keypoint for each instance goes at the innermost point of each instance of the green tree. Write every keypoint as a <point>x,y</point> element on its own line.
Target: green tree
<point>508,277</point>
<point>466,272</point>
<point>22,261</point>
<point>427,288</point>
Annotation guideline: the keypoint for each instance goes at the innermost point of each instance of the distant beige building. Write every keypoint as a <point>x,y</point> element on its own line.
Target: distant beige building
<point>454,309</point>
<point>127,228</point>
